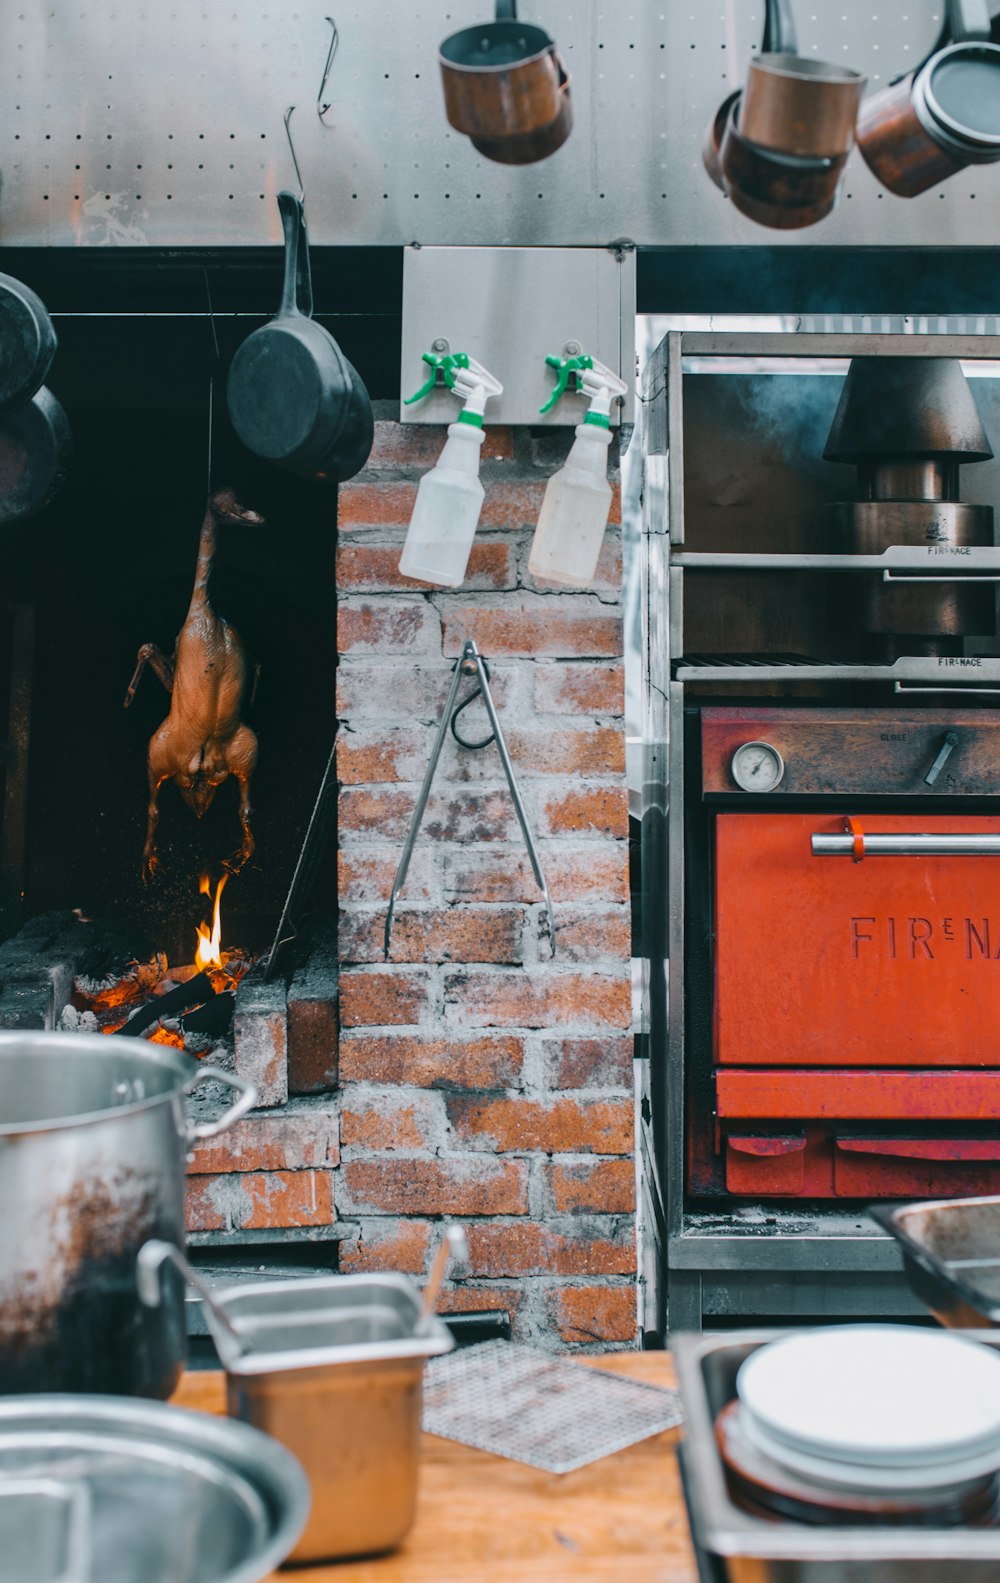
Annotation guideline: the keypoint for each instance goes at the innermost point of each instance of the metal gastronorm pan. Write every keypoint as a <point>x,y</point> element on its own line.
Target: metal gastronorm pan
<point>772,1550</point>
<point>951,1255</point>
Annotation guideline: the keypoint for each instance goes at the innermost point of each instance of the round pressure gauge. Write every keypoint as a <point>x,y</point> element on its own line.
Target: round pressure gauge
<point>757,767</point>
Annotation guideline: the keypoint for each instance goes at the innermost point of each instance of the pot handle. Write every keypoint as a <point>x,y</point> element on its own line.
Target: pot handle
<point>779,29</point>
<point>297,292</point>
<point>968,19</point>
<point>248,1098</point>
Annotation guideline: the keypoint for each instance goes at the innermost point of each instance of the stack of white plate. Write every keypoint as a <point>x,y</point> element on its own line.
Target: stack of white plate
<point>880,1409</point>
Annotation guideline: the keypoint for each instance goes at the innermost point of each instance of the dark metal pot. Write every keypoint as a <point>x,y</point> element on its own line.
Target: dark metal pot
<point>504,84</point>
<point>93,1140</point>
<point>941,118</point>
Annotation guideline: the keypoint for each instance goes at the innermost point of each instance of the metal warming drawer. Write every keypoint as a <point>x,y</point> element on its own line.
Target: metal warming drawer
<point>853,957</point>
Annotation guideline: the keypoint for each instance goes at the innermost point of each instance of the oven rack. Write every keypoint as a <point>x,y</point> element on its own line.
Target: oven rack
<point>931,562</point>
<point>951,673</point>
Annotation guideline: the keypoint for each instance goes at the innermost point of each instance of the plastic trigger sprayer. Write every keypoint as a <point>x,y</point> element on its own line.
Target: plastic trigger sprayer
<point>574,514</point>
<point>450,496</point>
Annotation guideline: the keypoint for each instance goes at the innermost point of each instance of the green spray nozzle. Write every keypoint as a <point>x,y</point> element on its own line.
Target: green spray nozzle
<point>443,366</point>
<point>567,369</point>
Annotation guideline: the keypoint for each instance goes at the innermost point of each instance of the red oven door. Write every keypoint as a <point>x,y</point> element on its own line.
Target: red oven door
<point>856,959</point>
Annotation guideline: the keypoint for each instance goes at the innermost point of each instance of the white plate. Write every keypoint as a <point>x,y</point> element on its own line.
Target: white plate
<point>869,1479</point>
<point>892,1395</point>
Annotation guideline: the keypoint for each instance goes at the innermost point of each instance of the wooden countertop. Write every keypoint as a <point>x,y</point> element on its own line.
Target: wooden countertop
<point>483,1519</point>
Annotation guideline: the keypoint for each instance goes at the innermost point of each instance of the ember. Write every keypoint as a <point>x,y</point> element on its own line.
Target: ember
<point>129,1001</point>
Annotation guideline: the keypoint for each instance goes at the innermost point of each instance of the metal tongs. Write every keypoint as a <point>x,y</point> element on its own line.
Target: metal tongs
<point>469,663</point>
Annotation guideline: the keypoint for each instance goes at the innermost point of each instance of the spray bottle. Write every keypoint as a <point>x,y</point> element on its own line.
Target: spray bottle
<point>450,496</point>
<point>567,542</point>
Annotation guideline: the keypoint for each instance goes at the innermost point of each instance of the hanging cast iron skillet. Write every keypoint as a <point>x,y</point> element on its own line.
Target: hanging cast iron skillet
<point>27,343</point>
<point>35,452</point>
<point>292,395</point>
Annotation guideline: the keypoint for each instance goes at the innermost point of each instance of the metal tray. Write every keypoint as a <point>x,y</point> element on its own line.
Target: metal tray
<point>951,1255</point>
<point>153,1493</point>
<point>748,1549</point>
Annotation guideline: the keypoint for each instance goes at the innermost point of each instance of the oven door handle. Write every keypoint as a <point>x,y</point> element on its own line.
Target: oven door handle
<point>858,844</point>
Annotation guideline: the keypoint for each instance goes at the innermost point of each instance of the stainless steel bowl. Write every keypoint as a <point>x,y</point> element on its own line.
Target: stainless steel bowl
<point>141,1491</point>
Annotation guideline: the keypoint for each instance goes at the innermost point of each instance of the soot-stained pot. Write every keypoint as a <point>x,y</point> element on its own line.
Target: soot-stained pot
<point>93,1144</point>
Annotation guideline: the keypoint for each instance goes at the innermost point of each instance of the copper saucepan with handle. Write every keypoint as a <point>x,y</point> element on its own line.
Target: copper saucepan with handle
<point>941,117</point>
<point>778,147</point>
<point>506,88</point>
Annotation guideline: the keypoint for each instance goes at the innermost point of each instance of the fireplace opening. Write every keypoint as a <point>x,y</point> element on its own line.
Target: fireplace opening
<point>109,566</point>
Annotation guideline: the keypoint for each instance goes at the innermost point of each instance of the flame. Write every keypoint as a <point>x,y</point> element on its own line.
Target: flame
<point>209,950</point>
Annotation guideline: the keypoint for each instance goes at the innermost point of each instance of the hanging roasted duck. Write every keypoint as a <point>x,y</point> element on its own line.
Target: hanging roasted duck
<point>203,739</point>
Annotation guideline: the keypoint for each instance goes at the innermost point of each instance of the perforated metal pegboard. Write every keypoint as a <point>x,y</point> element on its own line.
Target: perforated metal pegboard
<point>128,122</point>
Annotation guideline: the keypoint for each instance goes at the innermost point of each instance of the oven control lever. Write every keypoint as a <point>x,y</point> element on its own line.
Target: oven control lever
<point>947,748</point>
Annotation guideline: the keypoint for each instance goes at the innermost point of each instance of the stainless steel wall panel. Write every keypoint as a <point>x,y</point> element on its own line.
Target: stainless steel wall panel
<point>131,124</point>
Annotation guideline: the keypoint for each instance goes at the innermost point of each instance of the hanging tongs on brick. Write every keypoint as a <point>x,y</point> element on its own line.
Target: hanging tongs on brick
<point>469,663</point>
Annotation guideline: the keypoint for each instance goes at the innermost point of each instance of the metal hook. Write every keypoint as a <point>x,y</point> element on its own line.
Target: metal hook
<point>288,134</point>
<point>469,669</point>
<point>322,108</point>
<point>470,663</point>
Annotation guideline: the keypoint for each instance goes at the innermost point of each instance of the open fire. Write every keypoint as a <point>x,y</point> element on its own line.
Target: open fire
<point>185,1006</point>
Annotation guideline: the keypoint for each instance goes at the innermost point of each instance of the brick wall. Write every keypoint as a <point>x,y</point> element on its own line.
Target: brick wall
<point>481,1078</point>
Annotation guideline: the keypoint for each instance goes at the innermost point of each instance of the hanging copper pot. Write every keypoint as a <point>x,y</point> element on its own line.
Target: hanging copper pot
<point>506,88</point>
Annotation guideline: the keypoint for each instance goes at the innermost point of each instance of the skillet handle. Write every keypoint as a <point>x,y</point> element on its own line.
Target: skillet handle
<point>779,29</point>
<point>296,291</point>
<point>506,10</point>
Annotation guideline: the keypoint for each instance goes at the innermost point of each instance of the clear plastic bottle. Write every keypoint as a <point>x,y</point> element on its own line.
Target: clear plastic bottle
<point>446,512</point>
<point>567,542</point>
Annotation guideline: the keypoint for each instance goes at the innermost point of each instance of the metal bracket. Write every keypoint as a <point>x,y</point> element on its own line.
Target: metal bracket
<point>469,663</point>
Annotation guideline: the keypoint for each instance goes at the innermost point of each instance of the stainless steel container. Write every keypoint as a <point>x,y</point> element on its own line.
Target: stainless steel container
<point>93,1140</point>
<point>333,1368</point>
<point>748,1549</point>
<point>104,1490</point>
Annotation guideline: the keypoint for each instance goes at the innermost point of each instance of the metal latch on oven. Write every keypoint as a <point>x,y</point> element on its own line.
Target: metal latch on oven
<point>469,663</point>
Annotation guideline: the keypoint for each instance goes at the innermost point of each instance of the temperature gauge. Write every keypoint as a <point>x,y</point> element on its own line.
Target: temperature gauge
<point>757,767</point>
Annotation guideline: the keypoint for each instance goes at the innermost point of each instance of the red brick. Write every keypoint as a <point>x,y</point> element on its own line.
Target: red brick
<point>381,754</point>
<point>256,1201</point>
<point>374,568</point>
<point>373,998</point>
<point>473,1185</point>
<point>388,626</point>
<point>460,815</point>
<point>558,629</point>
<point>600,750</point>
<point>517,1000</point>
<point>480,1299</point>
<point>386,814</point>
<point>420,444</point>
<point>526,1248</point>
<point>596,871</point>
<point>580,689</point>
<point>563,1126</point>
<point>389,1245</point>
<point>457,934</point>
<point>367,504</point>
<point>592,1187</point>
<point>600,808</point>
<point>368,876</point>
<point>594,1313</point>
<point>291,1139</point>
<point>589,1063</point>
<point>588,936</point>
<point>391,1121</point>
<point>405,690</point>
<point>512,505</point>
<point>432,1063</point>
